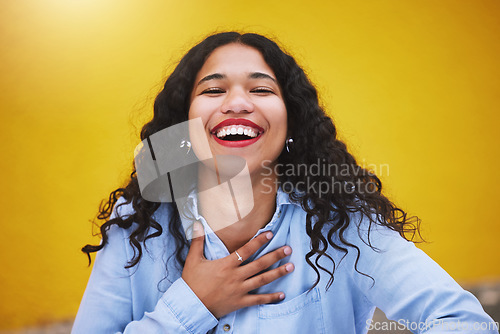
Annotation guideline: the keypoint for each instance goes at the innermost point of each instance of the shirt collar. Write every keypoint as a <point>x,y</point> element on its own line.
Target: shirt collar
<point>189,212</point>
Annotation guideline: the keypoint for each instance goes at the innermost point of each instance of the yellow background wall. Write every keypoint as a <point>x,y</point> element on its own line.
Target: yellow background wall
<point>411,84</point>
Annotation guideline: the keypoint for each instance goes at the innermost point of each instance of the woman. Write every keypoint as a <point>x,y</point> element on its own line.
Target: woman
<point>315,253</point>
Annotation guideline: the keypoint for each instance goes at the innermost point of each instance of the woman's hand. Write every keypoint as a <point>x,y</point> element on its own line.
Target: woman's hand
<point>223,285</point>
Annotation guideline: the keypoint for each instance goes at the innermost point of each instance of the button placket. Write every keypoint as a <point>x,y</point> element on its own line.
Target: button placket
<point>228,323</point>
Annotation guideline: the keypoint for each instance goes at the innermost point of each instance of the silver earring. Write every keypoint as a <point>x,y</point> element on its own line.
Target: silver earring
<point>186,143</point>
<point>289,144</point>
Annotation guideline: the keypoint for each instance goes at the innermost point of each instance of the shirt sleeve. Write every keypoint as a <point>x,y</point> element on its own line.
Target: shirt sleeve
<point>412,289</point>
<point>107,303</point>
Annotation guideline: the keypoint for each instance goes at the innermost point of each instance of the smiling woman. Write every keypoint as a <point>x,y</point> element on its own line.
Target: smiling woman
<point>302,260</point>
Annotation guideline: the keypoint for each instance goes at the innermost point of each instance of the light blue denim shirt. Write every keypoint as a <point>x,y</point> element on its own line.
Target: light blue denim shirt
<point>407,285</point>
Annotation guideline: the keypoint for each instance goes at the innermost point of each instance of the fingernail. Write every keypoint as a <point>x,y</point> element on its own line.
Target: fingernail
<point>288,251</point>
<point>269,235</point>
<point>289,267</point>
<point>282,296</point>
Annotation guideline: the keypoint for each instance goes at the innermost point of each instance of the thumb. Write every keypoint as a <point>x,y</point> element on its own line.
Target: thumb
<point>198,242</point>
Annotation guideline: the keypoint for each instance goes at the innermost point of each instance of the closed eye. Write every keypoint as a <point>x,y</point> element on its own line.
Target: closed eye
<point>213,91</point>
<point>262,90</point>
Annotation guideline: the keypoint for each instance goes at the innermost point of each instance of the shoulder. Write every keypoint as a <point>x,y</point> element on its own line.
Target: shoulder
<point>125,240</point>
<point>361,230</point>
<point>370,231</point>
<point>363,241</point>
<point>125,210</point>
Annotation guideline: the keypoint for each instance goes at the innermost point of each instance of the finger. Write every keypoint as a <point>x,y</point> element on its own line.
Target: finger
<point>250,248</point>
<point>252,300</point>
<point>265,261</point>
<point>267,277</point>
<point>198,241</point>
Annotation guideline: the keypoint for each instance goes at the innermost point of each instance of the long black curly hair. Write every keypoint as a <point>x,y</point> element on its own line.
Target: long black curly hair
<point>351,187</point>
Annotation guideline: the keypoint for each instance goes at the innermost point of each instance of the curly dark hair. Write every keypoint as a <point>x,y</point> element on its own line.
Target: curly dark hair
<point>315,141</point>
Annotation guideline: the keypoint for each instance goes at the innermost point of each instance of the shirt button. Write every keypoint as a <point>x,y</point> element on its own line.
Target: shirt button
<point>226,328</point>
<point>279,213</point>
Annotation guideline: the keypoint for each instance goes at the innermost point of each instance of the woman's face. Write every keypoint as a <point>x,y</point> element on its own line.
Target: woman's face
<point>239,101</point>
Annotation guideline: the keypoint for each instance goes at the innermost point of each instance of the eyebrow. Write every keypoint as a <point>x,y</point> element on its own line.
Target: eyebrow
<point>215,76</point>
<point>219,76</point>
<point>260,75</point>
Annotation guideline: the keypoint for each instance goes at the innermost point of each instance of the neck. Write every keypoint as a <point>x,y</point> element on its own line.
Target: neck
<point>228,207</point>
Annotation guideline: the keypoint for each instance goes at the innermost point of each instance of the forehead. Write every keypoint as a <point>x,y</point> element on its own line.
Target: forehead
<point>234,59</point>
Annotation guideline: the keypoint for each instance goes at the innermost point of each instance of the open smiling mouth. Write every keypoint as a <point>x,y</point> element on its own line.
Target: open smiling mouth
<point>236,135</point>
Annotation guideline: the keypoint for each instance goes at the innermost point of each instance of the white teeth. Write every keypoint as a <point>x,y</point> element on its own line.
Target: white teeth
<point>238,129</point>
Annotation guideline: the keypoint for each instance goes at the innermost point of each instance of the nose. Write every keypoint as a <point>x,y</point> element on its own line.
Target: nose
<point>237,101</point>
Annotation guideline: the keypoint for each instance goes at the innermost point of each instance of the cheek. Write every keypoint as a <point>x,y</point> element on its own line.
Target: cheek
<point>193,111</point>
<point>198,132</point>
<point>280,121</point>
<point>204,107</point>
<point>198,109</point>
<point>275,112</point>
